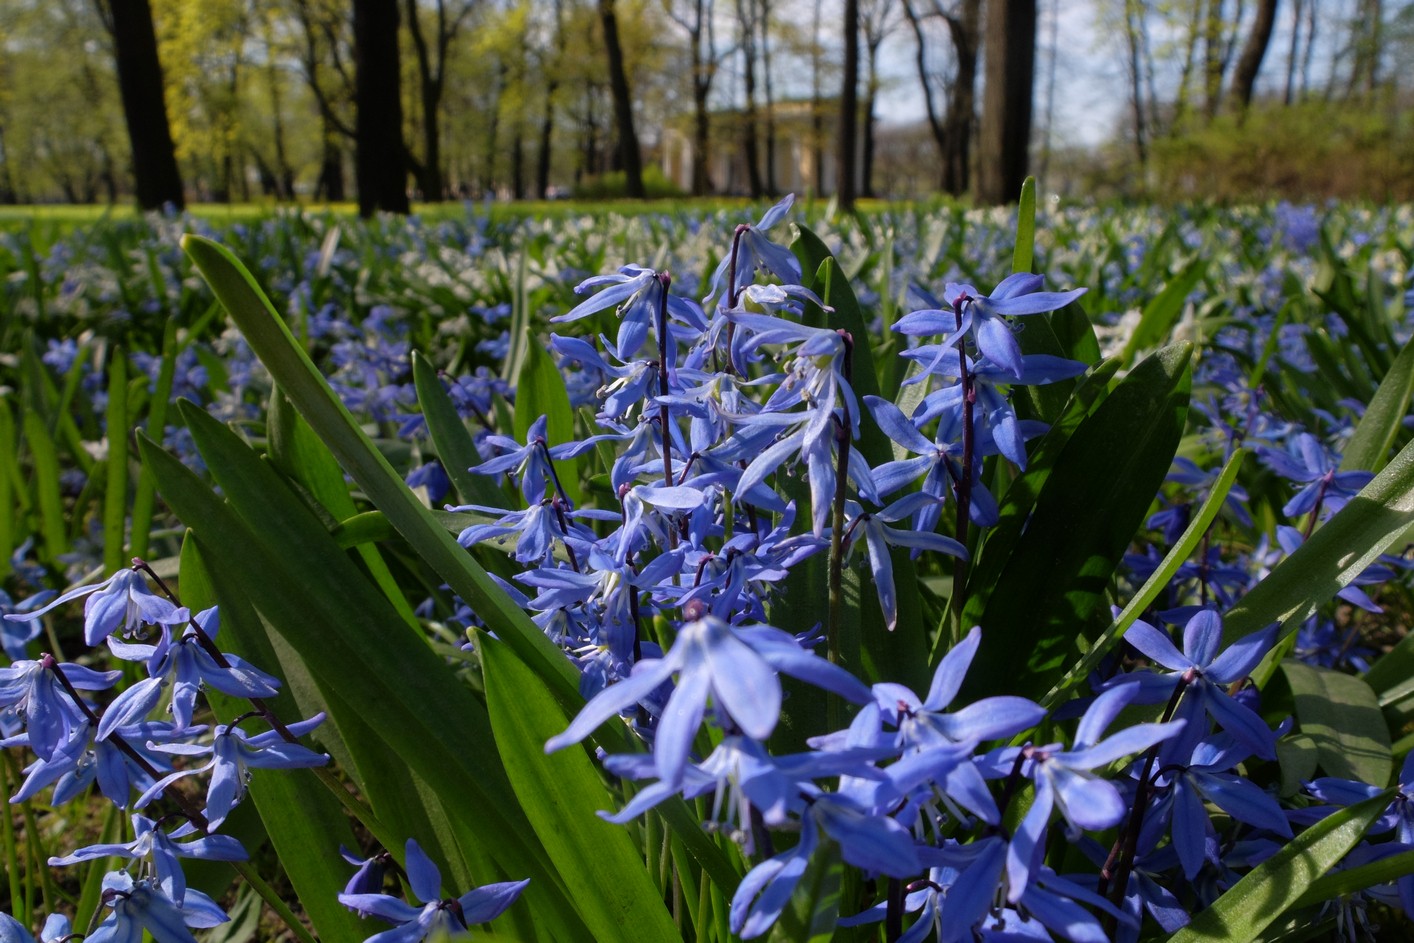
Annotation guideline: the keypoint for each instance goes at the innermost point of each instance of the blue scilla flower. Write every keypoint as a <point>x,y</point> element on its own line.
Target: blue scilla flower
<point>158,853</point>
<point>755,252</point>
<point>1065,780</point>
<point>16,635</point>
<point>123,602</point>
<point>35,693</point>
<point>736,667</point>
<point>185,665</point>
<point>1204,672</point>
<point>1309,463</point>
<point>1209,777</point>
<point>982,316</point>
<point>874,843</point>
<point>438,916</point>
<point>638,293</point>
<point>1397,818</point>
<point>143,906</point>
<point>233,753</point>
<point>56,928</point>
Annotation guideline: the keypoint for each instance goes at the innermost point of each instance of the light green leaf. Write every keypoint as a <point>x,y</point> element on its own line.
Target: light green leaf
<point>1022,254</point>
<point>1383,421</point>
<point>1373,522</point>
<point>560,793</point>
<point>1341,714</point>
<point>1279,883</point>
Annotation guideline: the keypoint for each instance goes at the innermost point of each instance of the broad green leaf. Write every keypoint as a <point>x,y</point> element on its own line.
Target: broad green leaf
<point>304,820</point>
<point>321,408</point>
<point>1155,584</point>
<point>1383,421</point>
<point>1163,310</point>
<point>299,455</point>
<point>561,794</point>
<point>1279,883</point>
<point>814,908</point>
<point>1016,505</point>
<point>1351,880</point>
<point>1022,254</point>
<point>1051,587</point>
<point>540,391</point>
<point>1373,522</point>
<point>1341,714</point>
<point>357,649</point>
<point>453,443</point>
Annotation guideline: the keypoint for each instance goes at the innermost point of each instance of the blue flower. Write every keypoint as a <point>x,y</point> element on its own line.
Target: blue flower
<point>735,667</point>
<point>142,905</point>
<point>437,915</point>
<point>638,293</point>
<point>755,251</point>
<point>121,602</point>
<point>981,315</point>
<point>157,851</point>
<point>36,694</point>
<point>1065,780</point>
<point>1205,674</point>
<point>185,665</point>
<point>233,753</point>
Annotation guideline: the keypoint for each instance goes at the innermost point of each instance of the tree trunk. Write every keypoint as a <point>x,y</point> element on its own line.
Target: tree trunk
<point>1006,100</point>
<point>157,180</point>
<point>379,158</point>
<point>871,92</point>
<point>845,186</point>
<point>768,88</point>
<point>629,156</point>
<point>962,99</point>
<point>1133,12</point>
<point>1244,75</point>
<point>746,19</point>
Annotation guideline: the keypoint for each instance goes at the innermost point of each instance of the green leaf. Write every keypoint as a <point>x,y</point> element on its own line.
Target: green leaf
<point>1341,714</point>
<point>303,819</point>
<point>453,443</point>
<point>1375,434</point>
<point>1279,883</point>
<point>1351,880</point>
<point>1373,522</point>
<point>1156,323</point>
<point>560,793</point>
<point>297,452</point>
<point>115,493</point>
<point>321,408</point>
<point>374,670</point>
<point>145,495</point>
<point>540,391</point>
<point>1051,586</point>
<point>1155,584</point>
<point>1021,256</point>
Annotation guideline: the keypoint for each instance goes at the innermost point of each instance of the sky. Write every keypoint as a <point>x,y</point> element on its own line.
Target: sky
<point>1091,93</point>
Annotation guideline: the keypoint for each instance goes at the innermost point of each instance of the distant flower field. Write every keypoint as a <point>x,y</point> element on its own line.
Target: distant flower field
<point>894,588</point>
